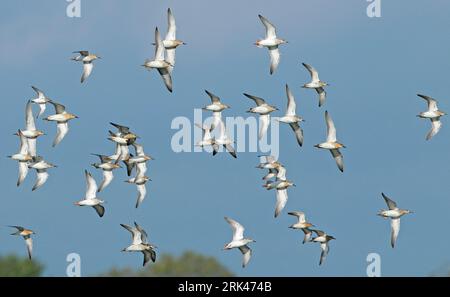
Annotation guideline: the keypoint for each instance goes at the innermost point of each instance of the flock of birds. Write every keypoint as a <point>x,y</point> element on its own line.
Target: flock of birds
<point>214,135</point>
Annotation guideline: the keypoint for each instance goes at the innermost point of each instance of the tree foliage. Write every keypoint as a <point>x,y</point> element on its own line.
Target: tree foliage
<point>13,265</point>
<point>188,264</point>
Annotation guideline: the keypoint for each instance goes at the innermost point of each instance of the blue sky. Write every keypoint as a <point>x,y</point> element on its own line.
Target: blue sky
<point>375,67</point>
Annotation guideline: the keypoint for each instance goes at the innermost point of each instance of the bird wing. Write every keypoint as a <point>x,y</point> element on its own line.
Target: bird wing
<point>319,232</point>
<point>107,178</point>
<point>331,129</point>
<point>61,130</point>
<point>159,47</point>
<point>432,103</point>
<point>390,203</point>
<point>217,118</point>
<point>435,127</point>
<point>87,70</point>
<point>83,53</point>
<point>172,28</point>
<point>135,234</point>
<point>291,106</point>
<point>325,248</point>
<point>298,132</point>
<point>139,149</point>
<point>39,93</point>
<point>264,121</point>
<point>141,169</point>
<point>270,29</point>
<point>144,235</point>
<point>29,243</point>
<point>122,129</point>
<point>23,150</point>
<point>148,255</point>
<point>274,53</point>
<point>313,72</point>
<point>281,172</point>
<point>231,150</point>
<point>91,186</point>
<point>31,143</point>
<point>246,253</point>
<point>41,178</point>
<point>299,214</point>
<point>322,95</point>
<point>308,235</point>
<point>99,209</point>
<point>214,98</point>
<point>29,118</point>
<point>337,156</point>
<point>238,229</point>
<point>165,74</point>
<point>259,101</point>
<point>142,191</point>
<point>23,171</point>
<point>395,229</point>
<point>282,199</point>
<point>59,108</point>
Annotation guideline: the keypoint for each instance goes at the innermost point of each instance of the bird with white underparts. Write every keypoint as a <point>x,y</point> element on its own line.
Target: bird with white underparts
<point>223,140</point>
<point>22,157</point>
<point>239,241</point>
<point>41,166</point>
<point>291,118</point>
<point>62,118</point>
<point>171,42</point>
<point>140,243</point>
<point>271,42</point>
<point>159,62</point>
<point>88,62</point>
<point>324,240</point>
<point>316,84</point>
<point>264,110</point>
<point>26,234</point>
<point>30,132</point>
<point>394,213</point>
<point>107,167</point>
<point>216,107</point>
<point>41,100</point>
<point>331,143</point>
<point>433,113</point>
<point>302,224</point>
<point>90,198</point>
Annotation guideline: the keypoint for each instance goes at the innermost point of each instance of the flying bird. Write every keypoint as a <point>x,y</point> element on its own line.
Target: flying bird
<point>238,241</point>
<point>91,198</point>
<point>282,196</point>
<point>271,42</point>
<point>207,139</point>
<point>62,118</point>
<point>434,114</point>
<point>41,166</point>
<point>159,62</point>
<point>140,243</point>
<point>394,213</point>
<point>26,234</point>
<point>30,132</point>
<point>140,180</point>
<point>316,84</point>
<point>141,158</point>
<point>216,107</point>
<point>171,42</point>
<point>41,100</point>
<point>264,110</point>
<point>87,59</point>
<point>22,157</point>
<point>292,118</point>
<point>224,140</point>
<point>323,239</point>
<point>302,224</point>
<point>107,168</point>
<point>331,143</point>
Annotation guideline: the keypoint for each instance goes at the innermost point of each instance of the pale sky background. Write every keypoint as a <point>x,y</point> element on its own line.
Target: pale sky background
<point>375,67</point>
